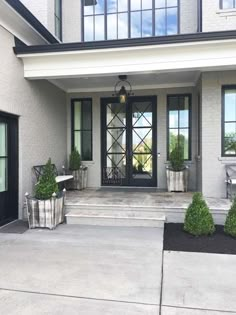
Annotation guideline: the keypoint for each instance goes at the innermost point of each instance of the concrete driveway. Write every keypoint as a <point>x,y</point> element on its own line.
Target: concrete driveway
<point>81,270</point>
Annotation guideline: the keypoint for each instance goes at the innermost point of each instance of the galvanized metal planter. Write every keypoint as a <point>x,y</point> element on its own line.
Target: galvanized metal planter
<point>177,180</point>
<point>80,179</point>
<point>45,213</point>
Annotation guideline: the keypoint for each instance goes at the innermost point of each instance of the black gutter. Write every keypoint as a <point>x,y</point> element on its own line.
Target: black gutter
<point>32,20</point>
<point>164,40</point>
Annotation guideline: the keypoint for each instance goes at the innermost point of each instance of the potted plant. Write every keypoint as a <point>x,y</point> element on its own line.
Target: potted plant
<point>78,171</point>
<point>177,171</point>
<point>46,209</point>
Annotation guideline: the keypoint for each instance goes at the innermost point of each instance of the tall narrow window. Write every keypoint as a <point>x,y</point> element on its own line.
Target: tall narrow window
<point>58,18</point>
<point>229,122</point>
<point>3,157</point>
<point>228,4</point>
<point>114,19</point>
<point>179,121</point>
<point>82,127</point>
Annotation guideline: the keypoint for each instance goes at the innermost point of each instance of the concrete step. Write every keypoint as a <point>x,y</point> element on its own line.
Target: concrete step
<point>114,217</point>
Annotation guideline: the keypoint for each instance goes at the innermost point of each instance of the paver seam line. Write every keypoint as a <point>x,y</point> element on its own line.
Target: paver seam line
<point>77,297</point>
<point>199,309</point>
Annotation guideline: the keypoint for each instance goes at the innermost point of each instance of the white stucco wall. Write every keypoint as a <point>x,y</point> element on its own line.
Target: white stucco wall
<point>42,110</point>
<point>213,164</point>
<point>95,165</point>
<point>214,19</point>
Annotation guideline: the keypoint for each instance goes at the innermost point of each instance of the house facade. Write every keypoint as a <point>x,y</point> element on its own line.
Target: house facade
<point>64,64</point>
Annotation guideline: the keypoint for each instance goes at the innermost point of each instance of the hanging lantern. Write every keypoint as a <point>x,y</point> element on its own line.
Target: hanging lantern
<point>122,94</point>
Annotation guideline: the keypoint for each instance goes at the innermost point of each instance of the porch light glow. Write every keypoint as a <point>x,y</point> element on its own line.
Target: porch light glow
<point>122,93</point>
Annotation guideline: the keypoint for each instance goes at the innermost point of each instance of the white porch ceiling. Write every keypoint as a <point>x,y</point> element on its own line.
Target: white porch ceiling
<point>138,81</point>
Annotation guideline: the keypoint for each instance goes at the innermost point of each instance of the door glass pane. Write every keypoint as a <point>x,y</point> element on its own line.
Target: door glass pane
<point>3,174</point>
<point>116,140</point>
<point>117,161</point>
<point>3,139</point>
<point>142,166</point>
<point>116,115</point>
<point>142,114</point>
<point>142,140</point>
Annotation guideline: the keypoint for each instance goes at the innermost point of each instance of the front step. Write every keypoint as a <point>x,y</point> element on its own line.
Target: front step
<point>99,217</point>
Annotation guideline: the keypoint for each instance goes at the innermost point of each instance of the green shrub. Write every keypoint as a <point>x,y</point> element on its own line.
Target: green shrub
<point>198,220</point>
<point>230,223</point>
<point>177,158</point>
<point>74,161</point>
<point>46,185</point>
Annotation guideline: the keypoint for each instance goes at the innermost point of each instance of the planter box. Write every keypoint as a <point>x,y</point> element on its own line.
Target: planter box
<point>45,213</point>
<point>80,179</point>
<point>177,181</point>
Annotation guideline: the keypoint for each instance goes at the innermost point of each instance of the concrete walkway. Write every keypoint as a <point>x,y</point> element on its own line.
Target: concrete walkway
<point>81,270</point>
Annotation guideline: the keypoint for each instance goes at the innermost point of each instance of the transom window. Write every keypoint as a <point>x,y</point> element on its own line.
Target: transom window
<point>58,18</point>
<point>229,122</point>
<point>82,127</point>
<point>120,19</point>
<point>228,4</point>
<point>179,120</point>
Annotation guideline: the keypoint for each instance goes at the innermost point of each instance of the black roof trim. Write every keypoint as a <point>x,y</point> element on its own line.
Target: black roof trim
<point>173,39</point>
<point>32,20</point>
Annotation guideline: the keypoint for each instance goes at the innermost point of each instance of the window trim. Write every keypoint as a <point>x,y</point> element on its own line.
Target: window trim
<point>222,8</point>
<point>224,88</point>
<point>189,128</point>
<point>73,100</point>
<point>129,21</point>
<point>58,18</point>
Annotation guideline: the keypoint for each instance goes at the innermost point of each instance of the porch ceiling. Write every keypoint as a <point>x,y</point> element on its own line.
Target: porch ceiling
<point>154,65</point>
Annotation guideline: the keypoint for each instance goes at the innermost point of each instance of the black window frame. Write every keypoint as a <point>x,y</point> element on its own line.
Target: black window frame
<point>129,11</point>
<point>189,127</point>
<point>73,130</point>
<point>224,88</point>
<point>222,5</point>
<point>58,18</point>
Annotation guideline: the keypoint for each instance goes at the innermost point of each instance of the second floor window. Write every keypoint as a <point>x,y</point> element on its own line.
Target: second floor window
<point>228,4</point>
<point>58,18</point>
<point>116,19</point>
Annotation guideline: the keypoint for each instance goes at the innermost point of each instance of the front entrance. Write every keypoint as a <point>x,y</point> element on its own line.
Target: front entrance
<point>129,142</point>
<point>8,169</point>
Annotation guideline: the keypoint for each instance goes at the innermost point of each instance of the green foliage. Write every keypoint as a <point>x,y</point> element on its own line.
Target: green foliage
<point>198,220</point>
<point>46,185</point>
<point>177,158</point>
<point>230,223</point>
<point>75,160</point>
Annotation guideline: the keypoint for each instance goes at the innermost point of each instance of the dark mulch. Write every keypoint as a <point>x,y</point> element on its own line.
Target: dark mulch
<point>175,239</point>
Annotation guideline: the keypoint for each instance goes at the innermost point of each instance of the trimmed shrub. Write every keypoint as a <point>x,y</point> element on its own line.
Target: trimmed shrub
<point>74,161</point>
<point>46,185</point>
<point>230,223</point>
<point>198,220</point>
<point>177,158</point>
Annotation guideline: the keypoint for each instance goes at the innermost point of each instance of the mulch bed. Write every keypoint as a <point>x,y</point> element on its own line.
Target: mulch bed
<point>175,239</point>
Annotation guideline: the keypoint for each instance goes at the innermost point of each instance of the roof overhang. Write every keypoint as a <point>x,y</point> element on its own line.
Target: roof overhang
<point>199,55</point>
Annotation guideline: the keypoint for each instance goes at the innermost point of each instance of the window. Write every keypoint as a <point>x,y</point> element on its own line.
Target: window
<point>3,157</point>
<point>58,18</point>
<point>178,124</point>
<point>229,121</point>
<point>82,127</point>
<point>114,19</point>
<point>227,4</point>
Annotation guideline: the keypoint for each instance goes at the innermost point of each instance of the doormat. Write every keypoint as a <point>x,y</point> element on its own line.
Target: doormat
<point>129,189</point>
<point>16,227</point>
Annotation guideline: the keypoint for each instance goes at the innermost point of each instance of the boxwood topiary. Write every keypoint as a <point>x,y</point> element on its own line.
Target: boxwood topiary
<point>230,223</point>
<point>46,185</point>
<point>74,161</point>
<point>198,219</point>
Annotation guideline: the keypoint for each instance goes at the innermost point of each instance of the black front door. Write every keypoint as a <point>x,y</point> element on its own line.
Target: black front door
<point>8,169</point>
<point>129,142</point>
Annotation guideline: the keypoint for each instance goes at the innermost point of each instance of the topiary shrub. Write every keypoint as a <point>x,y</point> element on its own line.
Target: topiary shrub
<point>198,219</point>
<point>177,158</point>
<point>46,185</point>
<point>75,160</point>
<point>230,223</point>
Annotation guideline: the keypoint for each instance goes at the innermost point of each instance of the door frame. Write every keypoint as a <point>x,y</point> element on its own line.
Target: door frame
<point>151,98</point>
<point>13,164</point>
